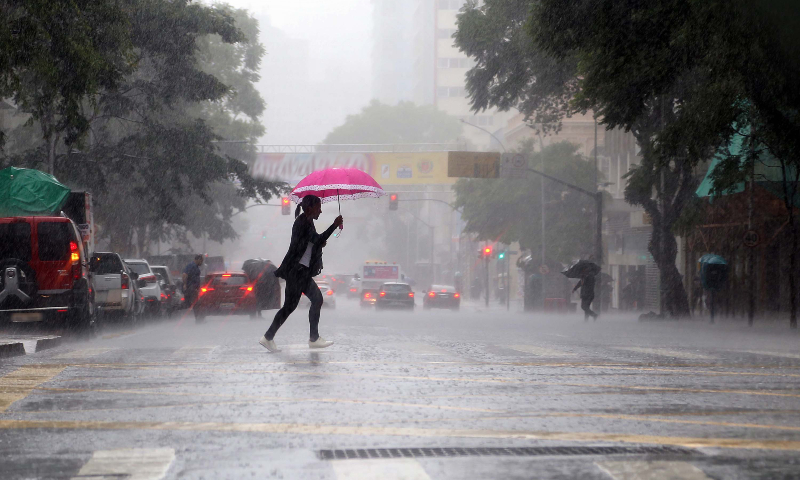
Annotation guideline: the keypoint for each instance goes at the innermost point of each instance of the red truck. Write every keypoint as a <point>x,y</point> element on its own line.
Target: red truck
<point>44,265</point>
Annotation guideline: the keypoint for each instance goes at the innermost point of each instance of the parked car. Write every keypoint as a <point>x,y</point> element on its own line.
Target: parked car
<point>171,292</point>
<point>225,293</point>
<point>441,296</point>
<point>115,290</point>
<point>328,296</point>
<point>148,285</point>
<point>395,295</point>
<point>44,273</point>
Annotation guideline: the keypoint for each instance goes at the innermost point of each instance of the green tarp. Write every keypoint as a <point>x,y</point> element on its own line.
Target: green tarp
<point>26,192</point>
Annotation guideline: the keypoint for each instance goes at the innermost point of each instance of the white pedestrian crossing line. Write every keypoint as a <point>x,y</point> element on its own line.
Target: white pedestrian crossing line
<point>772,354</point>
<point>666,352</point>
<point>541,351</point>
<point>374,469</point>
<point>84,353</point>
<point>655,470</point>
<point>128,463</point>
<point>191,351</point>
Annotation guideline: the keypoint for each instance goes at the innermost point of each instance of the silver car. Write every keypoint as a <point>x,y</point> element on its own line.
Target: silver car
<point>148,285</point>
<point>115,292</point>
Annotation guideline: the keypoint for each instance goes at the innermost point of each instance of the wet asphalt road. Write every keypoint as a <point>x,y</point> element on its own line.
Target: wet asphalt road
<point>174,399</point>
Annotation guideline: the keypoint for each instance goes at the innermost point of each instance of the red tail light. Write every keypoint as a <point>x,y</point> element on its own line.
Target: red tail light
<point>431,294</point>
<point>124,281</point>
<point>329,292</point>
<point>353,289</point>
<point>411,294</point>
<point>249,288</point>
<point>367,295</point>
<point>456,295</point>
<point>206,290</point>
<point>73,247</point>
<point>227,275</point>
<point>383,294</point>
<point>163,297</point>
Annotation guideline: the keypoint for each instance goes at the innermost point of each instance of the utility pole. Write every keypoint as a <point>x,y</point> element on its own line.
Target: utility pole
<point>486,277</point>
<point>598,241</point>
<point>544,243</point>
<point>751,260</point>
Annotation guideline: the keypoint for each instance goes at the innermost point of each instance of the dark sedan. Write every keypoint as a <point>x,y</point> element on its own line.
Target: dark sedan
<point>442,296</point>
<point>395,295</point>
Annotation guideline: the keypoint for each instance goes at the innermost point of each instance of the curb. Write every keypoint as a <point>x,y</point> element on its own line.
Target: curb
<point>11,349</point>
<point>47,343</point>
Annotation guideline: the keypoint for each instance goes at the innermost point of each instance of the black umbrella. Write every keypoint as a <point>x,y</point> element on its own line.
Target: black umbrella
<point>581,268</point>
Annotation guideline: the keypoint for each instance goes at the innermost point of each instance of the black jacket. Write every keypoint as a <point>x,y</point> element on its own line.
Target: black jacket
<point>303,232</point>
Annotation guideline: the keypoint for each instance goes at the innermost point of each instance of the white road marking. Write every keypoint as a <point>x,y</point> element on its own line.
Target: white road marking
<point>374,469</point>
<point>128,463</point>
<point>540,351</point>
<point>665,352</point>
<point>193,351</point>
<point>84,353</point>
<point>772,354</point>
<point>656,470</point>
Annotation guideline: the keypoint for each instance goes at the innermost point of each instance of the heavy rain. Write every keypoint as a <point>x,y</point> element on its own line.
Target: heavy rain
<point>399,239</point>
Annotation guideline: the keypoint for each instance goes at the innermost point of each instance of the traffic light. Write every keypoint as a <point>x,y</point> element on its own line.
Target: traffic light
<point>501,255</point>
<point>487,251</point>
<point>393,201</point>
<point>286,208</point>
<point>263,234</point>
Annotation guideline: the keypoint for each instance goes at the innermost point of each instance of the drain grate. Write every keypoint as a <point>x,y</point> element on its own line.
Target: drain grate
<point>370,453</point>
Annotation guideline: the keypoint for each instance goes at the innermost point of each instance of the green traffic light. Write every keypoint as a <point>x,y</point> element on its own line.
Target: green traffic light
<point>502,255</point>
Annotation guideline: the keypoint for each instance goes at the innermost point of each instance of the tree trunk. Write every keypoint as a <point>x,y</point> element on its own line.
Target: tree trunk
<point>792,270</point>
<point>664,249</point>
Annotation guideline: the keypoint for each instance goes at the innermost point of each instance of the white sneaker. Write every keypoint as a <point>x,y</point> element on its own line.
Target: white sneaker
<point>269,345</point>
<point>320,343</point>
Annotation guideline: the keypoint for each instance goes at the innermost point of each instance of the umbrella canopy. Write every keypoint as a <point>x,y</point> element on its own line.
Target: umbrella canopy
<point>337,184</point>
<point>581,268</point>
<point>25,192</point>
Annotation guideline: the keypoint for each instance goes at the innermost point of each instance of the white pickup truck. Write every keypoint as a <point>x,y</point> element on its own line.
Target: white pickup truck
<point>115,289</point>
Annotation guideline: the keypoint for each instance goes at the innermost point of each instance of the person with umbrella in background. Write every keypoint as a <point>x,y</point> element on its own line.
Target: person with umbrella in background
<point>586,271</point>
<point>586,284</point>
<point>303,261</point>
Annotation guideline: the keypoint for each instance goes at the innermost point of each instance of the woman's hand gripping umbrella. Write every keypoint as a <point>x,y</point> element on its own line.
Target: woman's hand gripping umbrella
<point>337,184</point>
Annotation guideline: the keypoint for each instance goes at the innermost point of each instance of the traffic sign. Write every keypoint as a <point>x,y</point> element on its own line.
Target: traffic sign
<point>473,164</point>
<point>513,165</point>
<point>751,238</point>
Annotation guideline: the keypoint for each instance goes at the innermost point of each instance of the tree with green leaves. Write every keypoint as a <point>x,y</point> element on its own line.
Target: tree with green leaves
<point>159,159</point>
<point>509,209</point>
<point>56,56</point>
<point>401,123</point>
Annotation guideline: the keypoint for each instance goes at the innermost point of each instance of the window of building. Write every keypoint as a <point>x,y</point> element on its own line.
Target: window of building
<point>442,92</point>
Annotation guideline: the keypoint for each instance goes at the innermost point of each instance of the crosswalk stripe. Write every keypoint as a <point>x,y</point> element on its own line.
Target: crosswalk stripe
<point>772,354</point>
<point>189,351</point>
<point>389,469</point>
<point>540,351</point>
<point>83,353</point>
<point>19,383</point>
<point>655,470</point>
<point>665,352</point>
<point>128,463</point>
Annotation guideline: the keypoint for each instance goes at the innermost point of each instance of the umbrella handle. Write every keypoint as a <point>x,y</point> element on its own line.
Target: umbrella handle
<point>336,235</point>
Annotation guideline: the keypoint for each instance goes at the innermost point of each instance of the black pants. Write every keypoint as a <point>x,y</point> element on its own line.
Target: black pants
<point>190,296</point>
<point>299,281</point>
<point>586,304</point>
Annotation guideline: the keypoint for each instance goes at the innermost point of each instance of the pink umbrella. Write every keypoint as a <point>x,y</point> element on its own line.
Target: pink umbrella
<point>337,184</point>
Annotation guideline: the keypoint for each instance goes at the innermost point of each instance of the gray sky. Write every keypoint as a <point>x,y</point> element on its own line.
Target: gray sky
<point>339,40</point>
